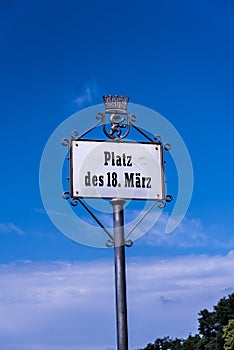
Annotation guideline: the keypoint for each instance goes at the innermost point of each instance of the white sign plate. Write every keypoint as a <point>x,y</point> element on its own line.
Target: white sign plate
<point>111,169</point>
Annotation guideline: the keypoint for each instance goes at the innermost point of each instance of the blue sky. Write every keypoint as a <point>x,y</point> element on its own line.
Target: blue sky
<point>175,57</point>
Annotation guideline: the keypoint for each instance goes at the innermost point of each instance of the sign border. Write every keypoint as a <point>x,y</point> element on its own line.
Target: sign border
<point>71,190</point>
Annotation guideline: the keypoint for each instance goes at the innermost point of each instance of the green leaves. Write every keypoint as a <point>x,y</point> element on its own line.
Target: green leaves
<point>211,324</point>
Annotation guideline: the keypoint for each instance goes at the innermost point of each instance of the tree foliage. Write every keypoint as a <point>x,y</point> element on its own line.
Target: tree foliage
<point>228,335</point>
<point>211,324</point>
<point>165,344</point>
<point>216,331</point>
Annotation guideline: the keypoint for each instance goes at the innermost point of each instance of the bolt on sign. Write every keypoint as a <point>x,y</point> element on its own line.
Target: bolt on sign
<point>110,169</point>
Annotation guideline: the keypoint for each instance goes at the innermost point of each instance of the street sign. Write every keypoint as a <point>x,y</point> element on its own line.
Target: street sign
<point>116,169</point>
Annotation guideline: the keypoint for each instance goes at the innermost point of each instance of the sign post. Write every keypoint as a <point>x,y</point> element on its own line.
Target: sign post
<point>117,170</point>
<point>120,274</point>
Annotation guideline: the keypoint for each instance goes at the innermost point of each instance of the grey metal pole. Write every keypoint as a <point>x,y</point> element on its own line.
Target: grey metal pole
<point>120,274</point>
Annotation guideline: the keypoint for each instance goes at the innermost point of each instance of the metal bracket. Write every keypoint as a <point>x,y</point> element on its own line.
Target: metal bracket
<point>74,202</point>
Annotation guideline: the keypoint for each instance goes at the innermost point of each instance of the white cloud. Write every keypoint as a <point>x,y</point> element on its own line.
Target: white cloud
<point>51,212</point>
<point>87,95</point>
<point>66,306</point>
<point>10,227</point>
<point>190,233</point>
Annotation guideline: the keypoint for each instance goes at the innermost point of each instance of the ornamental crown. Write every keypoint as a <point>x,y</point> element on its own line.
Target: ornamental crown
<point>115,104</point>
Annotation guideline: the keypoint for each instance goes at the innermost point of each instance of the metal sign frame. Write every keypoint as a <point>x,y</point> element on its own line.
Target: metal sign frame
<point>119,120</point>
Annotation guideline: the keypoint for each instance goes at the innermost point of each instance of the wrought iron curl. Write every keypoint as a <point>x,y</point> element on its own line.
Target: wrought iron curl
<point>74,202</point>
<point>167,146</point>
<point>128,243</point>
<point>109,243</point>
<point>74,135</point>
<point>169,198</point>
<point>100,116</point>
<point>161,204</point>
<point>158,138</point>
<point>133,118</point>
<point>66,195</point>
<point>65,142</point>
